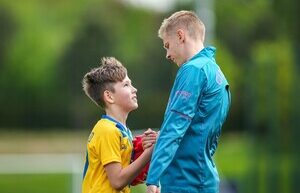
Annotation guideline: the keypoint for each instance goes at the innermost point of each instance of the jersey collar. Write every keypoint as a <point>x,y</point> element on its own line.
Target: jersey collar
<point>125,131</point>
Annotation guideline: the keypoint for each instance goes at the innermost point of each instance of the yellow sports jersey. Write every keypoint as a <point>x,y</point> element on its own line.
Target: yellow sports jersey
<point>108,142</point>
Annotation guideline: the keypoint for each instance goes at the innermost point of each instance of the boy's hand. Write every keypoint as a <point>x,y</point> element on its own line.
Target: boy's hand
<point>149,138</point>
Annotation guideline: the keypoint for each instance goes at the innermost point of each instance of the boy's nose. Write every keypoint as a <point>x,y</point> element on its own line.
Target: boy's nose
<point>134,89</point>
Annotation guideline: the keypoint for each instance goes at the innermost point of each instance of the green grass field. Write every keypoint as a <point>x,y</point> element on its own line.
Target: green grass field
<point>237,160</point>
<point>43,183</point>
<point>232,151</point>
<point>35,183</point>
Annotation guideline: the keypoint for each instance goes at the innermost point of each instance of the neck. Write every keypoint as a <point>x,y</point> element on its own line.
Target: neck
<point>194,48</point>
<point>117,115</point>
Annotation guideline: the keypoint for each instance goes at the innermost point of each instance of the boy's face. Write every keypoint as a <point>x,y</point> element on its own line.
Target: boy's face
<point>125,95</point>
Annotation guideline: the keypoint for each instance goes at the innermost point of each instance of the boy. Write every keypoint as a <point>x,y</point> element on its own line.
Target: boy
<point>108,168</point>
<point>197,108</point>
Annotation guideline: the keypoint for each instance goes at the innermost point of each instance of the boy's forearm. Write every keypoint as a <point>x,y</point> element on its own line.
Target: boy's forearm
<point>130,172</point>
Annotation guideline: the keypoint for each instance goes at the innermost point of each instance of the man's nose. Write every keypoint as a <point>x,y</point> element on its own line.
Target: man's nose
<point>168,56</point>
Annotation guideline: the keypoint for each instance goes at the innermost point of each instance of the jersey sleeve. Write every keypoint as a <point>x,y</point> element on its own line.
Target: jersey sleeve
<point>110,141</point>
<point>186,92</point>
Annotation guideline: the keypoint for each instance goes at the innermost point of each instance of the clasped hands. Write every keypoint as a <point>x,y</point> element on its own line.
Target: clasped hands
<point>148,140</point>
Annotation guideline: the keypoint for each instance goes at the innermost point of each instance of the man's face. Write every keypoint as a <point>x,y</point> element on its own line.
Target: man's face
<point>173,48</point>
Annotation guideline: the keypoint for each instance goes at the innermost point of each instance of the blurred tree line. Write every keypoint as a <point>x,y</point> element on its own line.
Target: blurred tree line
<point>47,46</point>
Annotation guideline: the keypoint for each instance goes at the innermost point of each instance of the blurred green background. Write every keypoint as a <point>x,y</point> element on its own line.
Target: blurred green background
<point>47,46</point>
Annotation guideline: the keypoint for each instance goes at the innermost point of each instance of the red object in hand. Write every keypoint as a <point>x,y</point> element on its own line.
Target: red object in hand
<point>137,151</point>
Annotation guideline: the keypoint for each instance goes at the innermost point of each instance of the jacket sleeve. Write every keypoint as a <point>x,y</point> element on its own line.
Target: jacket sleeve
<point>183,103</point>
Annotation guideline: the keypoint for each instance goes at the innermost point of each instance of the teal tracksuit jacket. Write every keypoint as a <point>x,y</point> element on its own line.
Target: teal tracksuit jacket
<point>198,106</point>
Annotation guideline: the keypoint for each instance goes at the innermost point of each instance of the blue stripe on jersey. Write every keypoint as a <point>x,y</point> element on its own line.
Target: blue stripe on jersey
<point>125,132</point>
<point>86,164</point>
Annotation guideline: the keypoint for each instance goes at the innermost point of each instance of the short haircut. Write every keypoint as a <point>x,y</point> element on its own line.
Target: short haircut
<point>103,78</point>
<point>183,19</point>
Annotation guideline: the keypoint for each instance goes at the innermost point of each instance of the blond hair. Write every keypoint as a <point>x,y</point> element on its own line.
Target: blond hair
<point>187,20</point>
<point>103,78</point>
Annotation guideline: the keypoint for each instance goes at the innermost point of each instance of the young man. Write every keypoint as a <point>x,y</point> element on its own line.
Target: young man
<point>109,149</point>
<point>198,105</point>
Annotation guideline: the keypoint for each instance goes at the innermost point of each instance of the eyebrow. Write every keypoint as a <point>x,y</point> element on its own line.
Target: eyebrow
<point>128,81</point>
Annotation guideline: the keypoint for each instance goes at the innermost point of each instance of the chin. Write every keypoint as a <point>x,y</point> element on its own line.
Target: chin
<point>134,107</point>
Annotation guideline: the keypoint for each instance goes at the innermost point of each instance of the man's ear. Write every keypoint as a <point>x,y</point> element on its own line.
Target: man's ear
<point>108,97</point>
<point>180,35</point>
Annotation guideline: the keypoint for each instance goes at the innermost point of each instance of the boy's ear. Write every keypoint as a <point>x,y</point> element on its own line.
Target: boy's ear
<point>108,97</point>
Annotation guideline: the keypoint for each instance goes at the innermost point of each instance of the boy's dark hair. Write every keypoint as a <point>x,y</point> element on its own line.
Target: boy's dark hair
<point>99,79</point>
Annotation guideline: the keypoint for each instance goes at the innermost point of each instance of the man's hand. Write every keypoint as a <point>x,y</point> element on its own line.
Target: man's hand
<point>149,138</point>
<point>152,189</point>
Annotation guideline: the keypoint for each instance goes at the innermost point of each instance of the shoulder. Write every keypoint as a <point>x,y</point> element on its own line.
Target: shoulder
<point>191,70</point>
<point>190,67</point>
<point>105,128</point>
